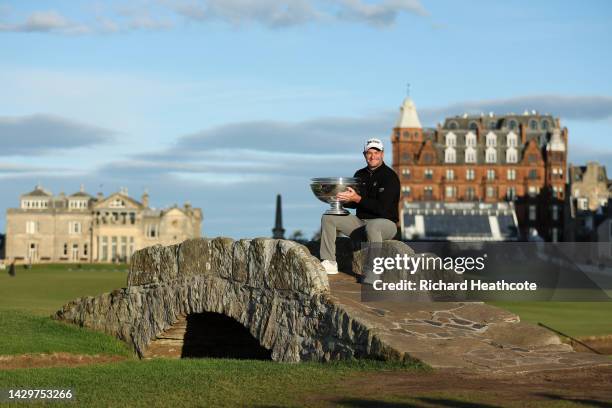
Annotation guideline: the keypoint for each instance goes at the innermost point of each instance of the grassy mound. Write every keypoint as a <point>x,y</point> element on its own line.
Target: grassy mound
<point>24,333</point>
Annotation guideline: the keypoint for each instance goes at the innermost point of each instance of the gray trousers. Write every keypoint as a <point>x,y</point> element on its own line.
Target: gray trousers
<point>374,230</point>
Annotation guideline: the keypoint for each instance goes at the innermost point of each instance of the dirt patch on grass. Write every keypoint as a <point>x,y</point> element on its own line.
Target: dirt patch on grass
<point>601,344</point>
<point>592,387</point>
<point>54,360</point>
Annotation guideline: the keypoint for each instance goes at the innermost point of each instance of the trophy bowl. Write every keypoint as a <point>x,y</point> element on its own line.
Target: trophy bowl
<point>326,188</point>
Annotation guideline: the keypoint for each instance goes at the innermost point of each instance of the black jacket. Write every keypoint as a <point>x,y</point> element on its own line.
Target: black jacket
<point>380,193</point>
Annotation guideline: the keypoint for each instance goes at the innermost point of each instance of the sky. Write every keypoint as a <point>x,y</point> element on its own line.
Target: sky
<point>226,103</point>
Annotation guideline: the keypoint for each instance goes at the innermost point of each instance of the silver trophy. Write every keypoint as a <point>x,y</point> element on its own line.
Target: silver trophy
<point>326,189</point>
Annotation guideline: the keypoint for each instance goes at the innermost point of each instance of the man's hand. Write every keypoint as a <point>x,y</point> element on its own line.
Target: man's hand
<point>348,196</point>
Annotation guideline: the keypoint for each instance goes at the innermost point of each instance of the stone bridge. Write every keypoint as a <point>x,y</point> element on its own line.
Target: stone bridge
<point>180,297</point>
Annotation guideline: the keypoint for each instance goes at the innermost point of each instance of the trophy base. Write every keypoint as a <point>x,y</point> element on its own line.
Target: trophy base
<point>336,209</point>
<point>336,212</point>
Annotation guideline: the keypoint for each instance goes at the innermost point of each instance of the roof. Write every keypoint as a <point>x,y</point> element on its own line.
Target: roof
<point>80,194</point>
<point>408,116</point>
<point>466,221</point>
<point>38,192</point>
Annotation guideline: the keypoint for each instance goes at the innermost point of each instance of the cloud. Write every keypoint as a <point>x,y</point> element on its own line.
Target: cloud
<point>163,14</point>
<point>46,22</point>
<point>379,14</point>
<point>271,13</point>
<point>317,136</point>
<point>565,107</point>
<point>41,134</point>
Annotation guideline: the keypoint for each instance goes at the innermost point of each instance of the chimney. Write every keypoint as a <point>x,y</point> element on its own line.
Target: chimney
<point>278,232</point>
<point>145,199</point>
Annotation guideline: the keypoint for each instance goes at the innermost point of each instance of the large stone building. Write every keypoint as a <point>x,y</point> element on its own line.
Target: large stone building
<point>83,228</point>
<point>487,159</point>
<point>588,206</point>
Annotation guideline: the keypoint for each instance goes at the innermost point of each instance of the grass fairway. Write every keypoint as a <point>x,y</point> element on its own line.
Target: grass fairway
<point>43,289</point>
<point>23,333</point>
<point>201,382</point>
<point>577,319</point>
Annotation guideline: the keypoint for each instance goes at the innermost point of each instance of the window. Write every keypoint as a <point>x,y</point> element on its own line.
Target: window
<point>74,227</point>
<point>65,249</point>
<point>406,173</point>
<point>544,125</point>
<point>428,192</point>
<point>473,126</point>
<point>117,203</point>
<point>85,249</point>
<point>451,140</point>
<point>406,134</point>
<point>450,174</point>
<point>512,139</point>
<point>32,252</point>
<point>123,248</point>
<point>406,157</point>
<point>428,174</point>
<point>491,155</point>
<point>113,249</point>
<point>453,125</point>
<point>75,252</point>
<point>427,158</point>
<point>555,234</point>
<point>104,256</point>
<point>469,174</point>
<point>512,124</point>
<point>532,213</point>
<point>511,174</point>
<point>450,191</point>
<point>470,155</point>
<point>491,139</point>
<point>131,246</point>
<point>492,125</point>
<point>77,204</point>
<point>470,139</point>
<point>490,192</point>
<point>470,194</point>
<point>555,212</point>
<point>490,174</point>
<point>511,155</point>
<point>406,191</point>
<point>533,174</point>
<point>511,193</point>
<point>31,227</point>
<point>533,125</point>
<point>151,231</point>
<point>533,191</point>
<point>450,156</point>
<point>532,158</point>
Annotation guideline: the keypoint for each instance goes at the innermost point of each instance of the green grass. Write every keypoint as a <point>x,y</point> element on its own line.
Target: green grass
<point>201,382</point>
<point>23,333</point>
<point>577,319</point>
<point>44,289</point>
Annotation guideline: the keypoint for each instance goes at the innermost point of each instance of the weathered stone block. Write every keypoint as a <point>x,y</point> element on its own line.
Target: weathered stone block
<point>153,264</point>
<point>194,257</point>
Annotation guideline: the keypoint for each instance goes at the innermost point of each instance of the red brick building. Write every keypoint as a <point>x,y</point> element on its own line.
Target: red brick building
<point>488,159</point>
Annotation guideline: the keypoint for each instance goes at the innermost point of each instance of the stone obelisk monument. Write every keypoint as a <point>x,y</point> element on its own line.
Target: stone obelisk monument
<point>278,232</point>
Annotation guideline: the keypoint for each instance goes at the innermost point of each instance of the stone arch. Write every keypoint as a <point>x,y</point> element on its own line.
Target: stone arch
<point>274,288</point>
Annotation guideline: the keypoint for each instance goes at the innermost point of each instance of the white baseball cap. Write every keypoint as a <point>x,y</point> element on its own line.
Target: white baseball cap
<point>373,144</point>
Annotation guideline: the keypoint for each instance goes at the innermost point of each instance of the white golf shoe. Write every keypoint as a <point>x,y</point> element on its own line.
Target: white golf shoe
<point>330,267</point>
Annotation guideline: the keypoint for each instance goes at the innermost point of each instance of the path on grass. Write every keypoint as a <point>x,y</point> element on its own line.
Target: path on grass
<point>471,336</point>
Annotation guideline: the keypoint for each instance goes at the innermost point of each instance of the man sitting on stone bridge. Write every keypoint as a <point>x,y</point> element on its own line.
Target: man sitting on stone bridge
<point>376,204</point>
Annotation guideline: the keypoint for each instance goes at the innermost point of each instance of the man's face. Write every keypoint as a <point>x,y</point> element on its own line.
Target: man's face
<point>374,158</point>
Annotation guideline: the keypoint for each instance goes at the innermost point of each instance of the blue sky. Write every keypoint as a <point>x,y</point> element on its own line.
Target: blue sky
<point>226,103</point>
